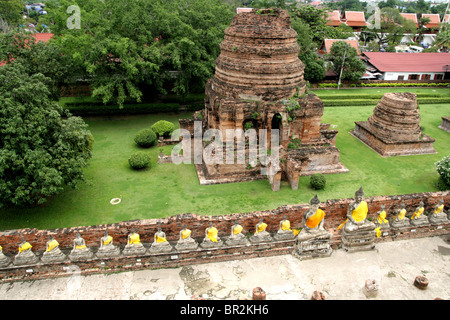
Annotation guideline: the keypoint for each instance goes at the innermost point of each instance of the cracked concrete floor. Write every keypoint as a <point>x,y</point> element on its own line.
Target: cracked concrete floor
<point>342,276</point>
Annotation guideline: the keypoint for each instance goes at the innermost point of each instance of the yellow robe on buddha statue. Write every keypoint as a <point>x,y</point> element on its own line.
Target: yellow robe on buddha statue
<point>212,234</point>
<point>52,245</point>
<point>439,209</point>
<point>25,246</point>
<point>286,226</point>
<point>237,230</point>
<point>160,239</point>
<point>108,240</point>
<point>185,234</point>
<point>134,239</point>
<point>382,218</point>
<point>313,221</point>
<point>417,214</point>
<point>262,226</point>
<point>401,215</point>
<point>358,214</point>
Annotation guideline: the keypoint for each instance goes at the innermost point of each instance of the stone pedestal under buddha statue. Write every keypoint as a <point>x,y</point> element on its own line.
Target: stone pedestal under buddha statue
<point>52,252</point>
<point>25,256</point>
<point>237,236</point>
<point>107,248</point>
<point>284,231</point>
<point>261,235</point>
<point>211,239</point>
<point>313,240</point>
<point>358,233</point>
<point>186,242</point>
<point>80,251</point>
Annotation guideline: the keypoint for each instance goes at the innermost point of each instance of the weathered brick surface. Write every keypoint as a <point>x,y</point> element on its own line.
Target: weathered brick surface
<point>335,209</point>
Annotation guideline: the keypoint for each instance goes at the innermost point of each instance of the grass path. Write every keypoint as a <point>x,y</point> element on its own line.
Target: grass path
<point>168,189</point>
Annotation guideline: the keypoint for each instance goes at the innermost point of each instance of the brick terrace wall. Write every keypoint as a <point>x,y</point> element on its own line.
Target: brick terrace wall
<point>335,214</point>
<point>336,211</point>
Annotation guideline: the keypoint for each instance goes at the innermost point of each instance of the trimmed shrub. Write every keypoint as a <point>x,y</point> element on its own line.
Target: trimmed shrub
<point>145,138</point>
<point>443,168</point>
<point>441,185</point>
<point>317,181</point>
<point>163,128</point>
<point>139,160</point>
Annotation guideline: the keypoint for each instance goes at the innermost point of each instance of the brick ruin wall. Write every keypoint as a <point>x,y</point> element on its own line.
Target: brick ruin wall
<point>335,209</point>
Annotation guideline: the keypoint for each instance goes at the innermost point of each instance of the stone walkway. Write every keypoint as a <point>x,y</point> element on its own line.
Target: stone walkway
<point>342,276</point>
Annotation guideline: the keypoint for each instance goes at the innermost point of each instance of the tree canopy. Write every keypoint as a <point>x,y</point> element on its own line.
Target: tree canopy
<point>344,57</point>
<point>128,47</point>
<point>42,147</point>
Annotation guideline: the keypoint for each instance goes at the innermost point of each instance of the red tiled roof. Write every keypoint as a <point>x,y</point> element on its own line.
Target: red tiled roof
<point>329,43</point>
<point>355,18</point>
<point>45,37</point>
<point>410,16</point>
<point>434,20</point>
<point>446,18</point>
<point>408,62</point>
<point>334,18</point>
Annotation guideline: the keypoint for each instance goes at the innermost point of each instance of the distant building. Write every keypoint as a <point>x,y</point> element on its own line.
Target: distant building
<point>354,19</point>
<point>409,66</point>
<point>328,43</point>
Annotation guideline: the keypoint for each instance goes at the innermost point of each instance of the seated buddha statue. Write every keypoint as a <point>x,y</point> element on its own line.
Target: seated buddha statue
<point>381,220</point>
<point>211,239</point>
<point>400,220</point>
<point>52,252</point>
<point>107,249</point>
<point>186,242</point>
<point>134,245</point>
<point>25,256</point>
<point>418,218</point>
<point>160,243</point>
<point>284,231</point>
<point>438,215</point>
<point>357,215</point>
<point>237,237</point>
<point>4,260</point>
<point>312,222</point>
<point>381,223</point>
<point>80,251</point>
<point>261,235</point>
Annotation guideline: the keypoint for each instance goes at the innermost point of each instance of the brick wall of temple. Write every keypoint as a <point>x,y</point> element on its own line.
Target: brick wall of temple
<point>336,210</point>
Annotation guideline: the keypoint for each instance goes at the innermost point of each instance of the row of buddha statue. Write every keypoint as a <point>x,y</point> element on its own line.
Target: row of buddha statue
<point>312,239</point>
<point>417,219</point>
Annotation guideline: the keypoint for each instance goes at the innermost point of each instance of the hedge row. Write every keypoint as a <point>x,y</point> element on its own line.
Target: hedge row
<point>363,102</point>
<point>85,109</point>
<point>387,84</point>
<point>369,96</point>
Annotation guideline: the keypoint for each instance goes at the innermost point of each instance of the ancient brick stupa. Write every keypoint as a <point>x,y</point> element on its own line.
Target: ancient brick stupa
<point>394,127</point>
<point>258,83</point>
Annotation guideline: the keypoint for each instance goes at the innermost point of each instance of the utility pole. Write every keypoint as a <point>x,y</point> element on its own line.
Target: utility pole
<point>342,66</point>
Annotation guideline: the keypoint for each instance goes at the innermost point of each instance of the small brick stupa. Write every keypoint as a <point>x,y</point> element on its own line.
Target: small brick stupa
<point>394,127</point>
<point>259,84</point>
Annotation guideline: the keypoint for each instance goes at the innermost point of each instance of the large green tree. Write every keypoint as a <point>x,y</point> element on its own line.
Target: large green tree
<point>11,11</point>
<point>125,46</point>
<point>43,148</point>
<point>344,57</point>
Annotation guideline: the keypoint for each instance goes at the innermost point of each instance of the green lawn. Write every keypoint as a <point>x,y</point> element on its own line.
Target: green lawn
<point>168,189</point>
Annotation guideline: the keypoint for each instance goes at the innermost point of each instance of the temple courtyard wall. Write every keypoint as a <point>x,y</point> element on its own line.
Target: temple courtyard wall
<point>336,210</point>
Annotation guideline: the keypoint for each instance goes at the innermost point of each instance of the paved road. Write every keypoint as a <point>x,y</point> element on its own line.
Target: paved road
<point>342,276</point>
